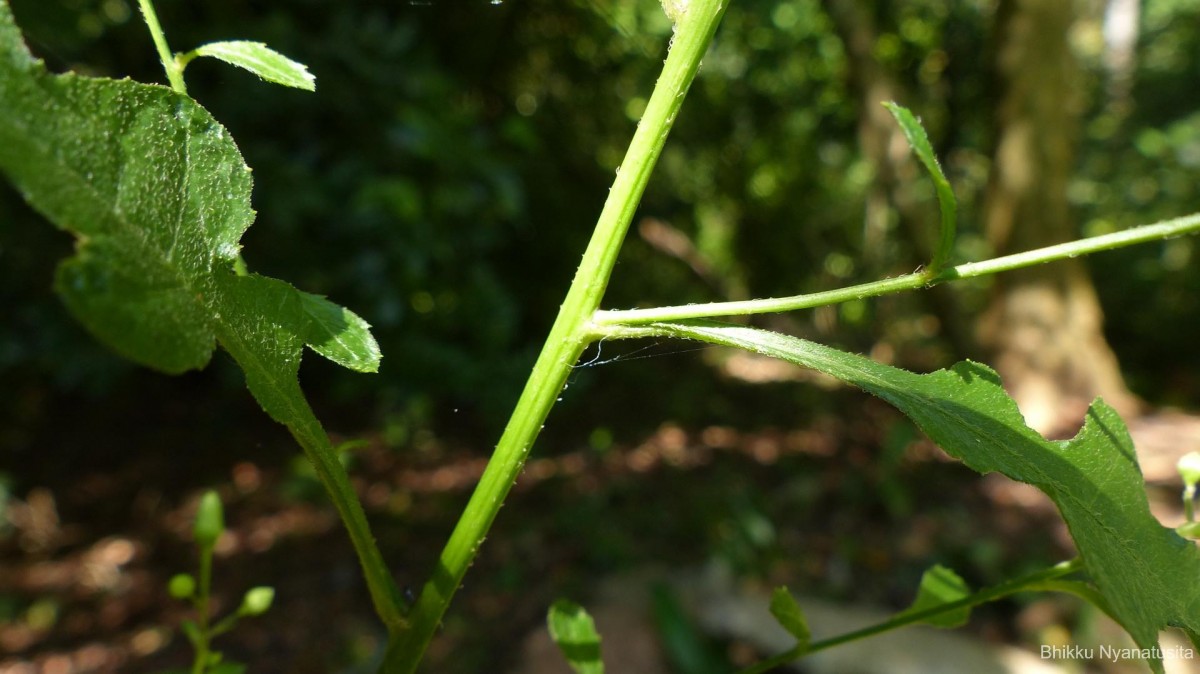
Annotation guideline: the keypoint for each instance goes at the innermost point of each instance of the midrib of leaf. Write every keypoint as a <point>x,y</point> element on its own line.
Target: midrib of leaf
<point>1142,568</point>
<point>115,216</point>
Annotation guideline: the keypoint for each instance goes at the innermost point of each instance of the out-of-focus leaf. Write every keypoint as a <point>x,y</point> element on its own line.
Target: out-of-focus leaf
<point>573,630</point>
<point>940,585</point>
<point>790,615</point>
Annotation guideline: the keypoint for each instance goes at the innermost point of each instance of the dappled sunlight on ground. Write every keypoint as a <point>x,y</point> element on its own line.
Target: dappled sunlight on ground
<point>820,507</point>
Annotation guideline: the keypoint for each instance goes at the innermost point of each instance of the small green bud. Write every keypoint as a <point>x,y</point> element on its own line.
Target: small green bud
<point>257,601</point>
<point>210,520</point>
<point>182,586</point>
<point>1189,468</point>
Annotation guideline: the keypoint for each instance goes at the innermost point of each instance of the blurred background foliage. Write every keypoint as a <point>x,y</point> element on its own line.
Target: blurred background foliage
<point>445,176</point>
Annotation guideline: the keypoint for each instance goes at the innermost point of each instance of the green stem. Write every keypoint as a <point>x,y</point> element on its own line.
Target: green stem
<point>174,71</point>
<point>1033,581</point>
<point>1189,224</point>
<point>226,624</point>
<point>324,459</point>
<point>200,663</point>
<point>569,336</point>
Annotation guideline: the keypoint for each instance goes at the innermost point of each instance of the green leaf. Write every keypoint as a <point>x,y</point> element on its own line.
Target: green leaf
<point>159,197</point>
<point>947,204</point>
<point>1145,571</point>
<point>573,630</point>
<point>790,616</point>
<point>940,585</point>
<point>259,59</point>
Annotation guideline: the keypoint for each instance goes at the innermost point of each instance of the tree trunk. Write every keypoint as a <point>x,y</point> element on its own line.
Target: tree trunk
<point>1044,324</point>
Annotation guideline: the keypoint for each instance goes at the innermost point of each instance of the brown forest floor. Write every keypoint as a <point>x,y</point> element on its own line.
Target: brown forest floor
<point>86,553</point>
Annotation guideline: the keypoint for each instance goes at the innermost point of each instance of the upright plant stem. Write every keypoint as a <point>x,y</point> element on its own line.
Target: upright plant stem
<point>569,336</point>
<point>174,72</point>
<point>200,662</point>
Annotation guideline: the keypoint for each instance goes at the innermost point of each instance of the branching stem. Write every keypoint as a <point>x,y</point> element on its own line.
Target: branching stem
<point>571,333</point>
<point>1189,224</point>
<point>1037,580</point>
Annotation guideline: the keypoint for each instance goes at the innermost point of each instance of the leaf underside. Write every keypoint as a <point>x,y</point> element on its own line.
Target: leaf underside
<point>159,196</point>
<point>1146,572</point>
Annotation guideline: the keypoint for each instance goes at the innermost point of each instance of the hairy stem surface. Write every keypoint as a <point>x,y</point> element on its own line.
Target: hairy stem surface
<point>1188,224</point>
<point>174,72</point>
<point>571,333</point>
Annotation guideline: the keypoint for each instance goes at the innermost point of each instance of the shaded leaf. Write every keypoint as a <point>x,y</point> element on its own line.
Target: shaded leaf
<point>940,585</point>
<point>261,60</point>
<point>790,616</point>
<point>159,197</point>
<point>1144,570</point>
<point>573,630</point>
<point>685,646</point>
<point>947,204</point>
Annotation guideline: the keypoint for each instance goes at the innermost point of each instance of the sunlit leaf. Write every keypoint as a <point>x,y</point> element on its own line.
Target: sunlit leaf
<point>947,204</point>
<point>1144,570</point>
<point>159,196</point>
<point>261,60</point>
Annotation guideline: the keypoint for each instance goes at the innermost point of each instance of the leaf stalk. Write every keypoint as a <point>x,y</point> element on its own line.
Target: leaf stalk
<point>1189,224</point>
<point>320,453</point>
